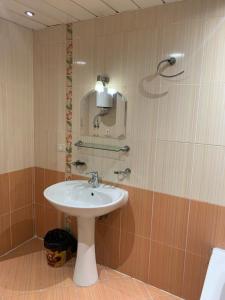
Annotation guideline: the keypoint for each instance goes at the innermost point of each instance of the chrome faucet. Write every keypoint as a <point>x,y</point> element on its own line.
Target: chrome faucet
<point>125,172</point>
<point>94,180</point>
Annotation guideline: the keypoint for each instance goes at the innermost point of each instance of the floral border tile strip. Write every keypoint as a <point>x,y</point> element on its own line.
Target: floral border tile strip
<point>69,63</point>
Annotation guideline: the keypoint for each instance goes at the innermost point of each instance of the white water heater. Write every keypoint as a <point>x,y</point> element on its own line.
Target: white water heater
<point>104,99</point>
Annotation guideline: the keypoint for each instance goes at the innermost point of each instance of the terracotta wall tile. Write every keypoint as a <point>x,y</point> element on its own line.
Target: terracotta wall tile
<point>21,188</point>
<point>4,194</point>
<point>52,177</point>
<point>194,275</point>
<point>73,225</point>
<point>137,214</point>
<point>99,242</point>
<point>166,268</point>
<point>134,255</point>
<point>169,225</point>
<point>201,228</point>
<point>69,223</point>
<point>22,225</point>
<point>39,185</point>
<point>40,220</point>
<point>78,177</point>
<point>48,217</point>
<point>5,239</point>
<point>107,245</point>
<point>111,247</point>
<point>53,219</point>
<point>219,239</point>
<point>112,219</point>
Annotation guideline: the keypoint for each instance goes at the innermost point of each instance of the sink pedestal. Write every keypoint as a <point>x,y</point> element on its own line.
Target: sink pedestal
<point>85,272</point>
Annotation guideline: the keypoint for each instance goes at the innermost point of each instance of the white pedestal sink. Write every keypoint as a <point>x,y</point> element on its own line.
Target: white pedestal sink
<point>78,198</point>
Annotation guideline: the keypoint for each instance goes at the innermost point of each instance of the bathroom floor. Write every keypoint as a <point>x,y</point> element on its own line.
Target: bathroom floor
<point>25,275</point>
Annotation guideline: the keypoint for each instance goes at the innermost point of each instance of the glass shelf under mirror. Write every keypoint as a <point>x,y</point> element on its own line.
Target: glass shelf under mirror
<point>102,147</point>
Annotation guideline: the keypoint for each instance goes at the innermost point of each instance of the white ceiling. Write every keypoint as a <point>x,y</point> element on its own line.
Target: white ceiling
<point>53,12</point>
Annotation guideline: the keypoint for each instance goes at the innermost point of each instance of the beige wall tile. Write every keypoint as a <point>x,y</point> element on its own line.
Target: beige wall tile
<point>211,124</point>
<point>181,12</point>
<point>208,174</point>
<point>178,113</point>
<point>16,91</point>
<point>146,18</point>
<point>115,24</point>
<point>215,8</point>
<point>173,168</point>
<point>141,161</point>
<point>185,39</point>
<point>141,54</point>
<point>52,35</point>
<point>85,51</point>
<point>214,47</point>
<point>41,148</point>
<point>49,92</point>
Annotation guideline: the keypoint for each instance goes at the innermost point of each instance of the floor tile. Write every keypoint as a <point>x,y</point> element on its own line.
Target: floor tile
<point>25,275</point>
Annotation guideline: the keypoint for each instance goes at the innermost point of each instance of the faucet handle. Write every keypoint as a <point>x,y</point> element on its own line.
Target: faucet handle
<point>125,172</point>
<point>78,163</point>
<point>92,173</point>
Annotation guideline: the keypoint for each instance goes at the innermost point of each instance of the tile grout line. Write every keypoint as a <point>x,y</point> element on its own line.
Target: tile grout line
<point>185,250</point>
<point>120,237</point>
<point>189,142</point>
<point>22,207</point>
<point>193,156</point>
<point>153,195</point>
<point>34,207</point>
<point>150,190</point>
<point>18,246</point>
<point>10,213</point>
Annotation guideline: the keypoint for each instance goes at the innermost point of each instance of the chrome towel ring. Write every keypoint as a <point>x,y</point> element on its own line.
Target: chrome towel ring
<point>171,61</point>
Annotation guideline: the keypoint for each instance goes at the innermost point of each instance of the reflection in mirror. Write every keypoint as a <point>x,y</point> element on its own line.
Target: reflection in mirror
<point>103,115</point>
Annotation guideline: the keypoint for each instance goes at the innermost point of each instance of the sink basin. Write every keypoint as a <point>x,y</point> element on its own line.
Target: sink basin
<point>78,198</point>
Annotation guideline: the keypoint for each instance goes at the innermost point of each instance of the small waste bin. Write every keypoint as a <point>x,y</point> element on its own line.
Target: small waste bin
<point>60,246</point>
